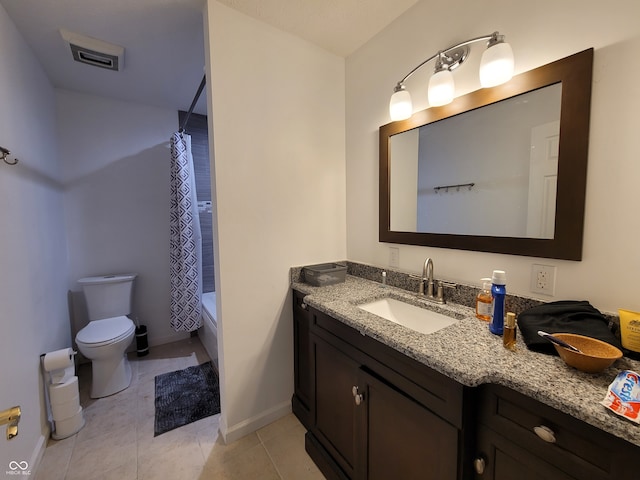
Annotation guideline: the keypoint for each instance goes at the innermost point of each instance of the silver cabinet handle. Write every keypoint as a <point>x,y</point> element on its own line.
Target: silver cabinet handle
<point>303,306</point>
<point>545,433</point>
<point>479,464</point>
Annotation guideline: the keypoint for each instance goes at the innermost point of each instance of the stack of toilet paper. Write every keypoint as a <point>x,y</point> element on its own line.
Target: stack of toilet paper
<point>64,394</point>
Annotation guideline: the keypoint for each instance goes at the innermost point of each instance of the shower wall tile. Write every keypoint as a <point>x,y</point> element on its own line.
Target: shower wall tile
<point>208,280</point>
<point>197,128</point>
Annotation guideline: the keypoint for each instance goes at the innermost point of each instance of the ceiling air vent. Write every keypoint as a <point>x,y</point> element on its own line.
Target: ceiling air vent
<point>93,51</point>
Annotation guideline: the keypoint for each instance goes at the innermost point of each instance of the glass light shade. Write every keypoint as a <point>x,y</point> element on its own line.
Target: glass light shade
<point>496,66</point>
<point>400,107</point>
<point>441,88</point>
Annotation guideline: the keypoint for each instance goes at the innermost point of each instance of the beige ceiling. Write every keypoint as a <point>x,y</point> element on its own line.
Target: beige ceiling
<point>340,26</point>
<point>164,39</point>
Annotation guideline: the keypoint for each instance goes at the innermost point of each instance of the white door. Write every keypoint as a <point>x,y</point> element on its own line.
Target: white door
<point>543,180</point>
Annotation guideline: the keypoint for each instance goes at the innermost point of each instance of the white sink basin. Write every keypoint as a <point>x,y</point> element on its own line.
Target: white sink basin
<point>416,318</point>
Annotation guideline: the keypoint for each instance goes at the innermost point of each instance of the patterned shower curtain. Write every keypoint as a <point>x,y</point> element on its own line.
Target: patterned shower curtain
<point>185,245</point>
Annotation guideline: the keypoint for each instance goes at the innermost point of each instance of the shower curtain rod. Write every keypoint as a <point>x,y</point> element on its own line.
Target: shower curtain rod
<point>193,104</point>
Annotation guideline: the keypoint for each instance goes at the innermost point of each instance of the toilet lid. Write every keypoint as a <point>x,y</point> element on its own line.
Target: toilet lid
<point>108,330</point>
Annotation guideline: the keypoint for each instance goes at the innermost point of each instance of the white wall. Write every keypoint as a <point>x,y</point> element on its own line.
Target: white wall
<point>539,33</point>
<point>277,105</point>
<point>115,158</point>
<point>33,268</point>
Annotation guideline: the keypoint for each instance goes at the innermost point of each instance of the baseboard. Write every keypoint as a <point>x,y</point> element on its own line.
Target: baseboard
<point>38,452</point>
<point>250,425</point>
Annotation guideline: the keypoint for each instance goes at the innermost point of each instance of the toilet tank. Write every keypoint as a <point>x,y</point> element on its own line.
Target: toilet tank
<point>108,295</point>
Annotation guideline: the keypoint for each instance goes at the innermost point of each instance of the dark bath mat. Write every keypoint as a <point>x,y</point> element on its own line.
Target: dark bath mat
<point>185,396</point>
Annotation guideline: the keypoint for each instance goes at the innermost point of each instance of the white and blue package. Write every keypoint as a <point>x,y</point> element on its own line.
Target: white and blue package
<point>623,396</point>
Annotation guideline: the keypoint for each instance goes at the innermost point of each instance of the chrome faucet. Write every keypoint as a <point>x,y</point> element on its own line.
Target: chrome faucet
<point>427,279</point>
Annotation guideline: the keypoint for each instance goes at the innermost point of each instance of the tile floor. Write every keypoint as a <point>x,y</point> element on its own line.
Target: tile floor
<point>117,441</point>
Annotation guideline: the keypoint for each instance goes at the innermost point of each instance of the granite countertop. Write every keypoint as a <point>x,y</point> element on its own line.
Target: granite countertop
<point>468,353</point>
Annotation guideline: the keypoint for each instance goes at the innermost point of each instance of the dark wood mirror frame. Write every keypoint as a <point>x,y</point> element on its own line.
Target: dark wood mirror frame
<point>575,73</point>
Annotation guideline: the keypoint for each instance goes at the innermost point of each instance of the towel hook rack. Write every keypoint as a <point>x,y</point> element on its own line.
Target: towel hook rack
<point>4,153</point>
<point>457,187</point>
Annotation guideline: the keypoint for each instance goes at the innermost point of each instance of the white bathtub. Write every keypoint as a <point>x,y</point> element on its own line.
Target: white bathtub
<point>208,333</point>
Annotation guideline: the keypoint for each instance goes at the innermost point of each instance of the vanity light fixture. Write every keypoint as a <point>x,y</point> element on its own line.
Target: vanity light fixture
<point>496,68</point>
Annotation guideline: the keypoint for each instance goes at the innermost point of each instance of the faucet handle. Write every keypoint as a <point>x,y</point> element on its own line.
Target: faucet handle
<point>420,285</point>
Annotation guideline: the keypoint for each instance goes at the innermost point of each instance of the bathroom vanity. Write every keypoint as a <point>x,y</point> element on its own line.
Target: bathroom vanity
<point>381,401</point>
<point>367,405</point>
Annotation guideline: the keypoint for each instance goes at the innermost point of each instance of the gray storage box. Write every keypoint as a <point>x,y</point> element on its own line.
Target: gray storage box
<point>324,274</point>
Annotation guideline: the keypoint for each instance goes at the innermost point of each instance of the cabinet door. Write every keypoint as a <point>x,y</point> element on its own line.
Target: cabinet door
<point>302,402</point>
<point>335,377</point>
<point>401,439</point>
<point>503,459</point>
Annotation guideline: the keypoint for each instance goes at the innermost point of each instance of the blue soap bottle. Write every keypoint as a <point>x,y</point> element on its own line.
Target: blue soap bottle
<point>498,292</point>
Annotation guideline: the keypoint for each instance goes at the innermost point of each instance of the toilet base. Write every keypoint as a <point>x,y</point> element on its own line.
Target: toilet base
<point>110,377</point>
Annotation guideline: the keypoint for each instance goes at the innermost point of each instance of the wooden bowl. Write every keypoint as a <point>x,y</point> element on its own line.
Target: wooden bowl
<point>595,357</point>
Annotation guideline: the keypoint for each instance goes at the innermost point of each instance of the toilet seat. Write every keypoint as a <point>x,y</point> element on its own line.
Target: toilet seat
<point>105,332</point>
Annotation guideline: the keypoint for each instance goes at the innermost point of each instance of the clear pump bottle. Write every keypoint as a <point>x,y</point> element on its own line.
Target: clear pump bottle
<point>483,301</point>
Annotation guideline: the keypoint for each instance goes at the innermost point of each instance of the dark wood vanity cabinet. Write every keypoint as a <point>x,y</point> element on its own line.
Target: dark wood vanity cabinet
<point>375,413</point>
<point>521,438</point>
<point>301,403</point>
<point>371,429</point>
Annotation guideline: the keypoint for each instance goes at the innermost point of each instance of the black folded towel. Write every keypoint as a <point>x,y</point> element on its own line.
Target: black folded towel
<point>565,316</point>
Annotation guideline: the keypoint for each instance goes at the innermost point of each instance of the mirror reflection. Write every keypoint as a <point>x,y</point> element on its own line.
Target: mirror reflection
<point>488,171</point>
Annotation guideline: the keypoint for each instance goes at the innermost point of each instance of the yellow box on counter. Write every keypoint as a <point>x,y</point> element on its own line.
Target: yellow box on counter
<point>630,329</point>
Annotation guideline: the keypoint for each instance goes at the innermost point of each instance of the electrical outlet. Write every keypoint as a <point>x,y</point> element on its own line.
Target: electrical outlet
<point>394,257</point>
<point>543,279</point>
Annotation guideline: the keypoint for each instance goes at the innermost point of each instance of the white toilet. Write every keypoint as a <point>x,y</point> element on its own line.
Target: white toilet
<point>106,338</point>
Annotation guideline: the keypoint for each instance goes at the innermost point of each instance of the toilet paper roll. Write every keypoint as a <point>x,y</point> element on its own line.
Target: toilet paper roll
<point>62,411</point>
<point>61,376</point>
<point>59,359</point>
<point>67,427</point>
<point>63,392</point>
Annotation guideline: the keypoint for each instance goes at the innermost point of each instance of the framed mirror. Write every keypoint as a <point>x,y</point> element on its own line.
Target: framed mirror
<point>498,170</point>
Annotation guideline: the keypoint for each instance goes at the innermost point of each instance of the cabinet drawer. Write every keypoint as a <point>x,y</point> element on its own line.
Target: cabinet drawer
<point>580,450</point>
<point>428,387</point>
<point>506,460</point>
